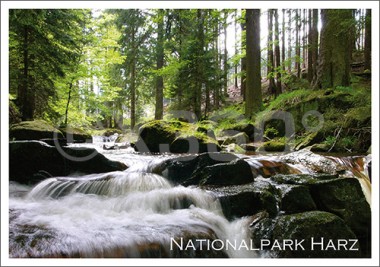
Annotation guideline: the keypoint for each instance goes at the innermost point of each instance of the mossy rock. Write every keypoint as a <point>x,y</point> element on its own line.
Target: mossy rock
<point>311,227</point>
<point>309,140</point>
<point>320,148</point>
<point>295,199</point>
<point>273,146</point>
<point>76,135</point>
<point>239,139</point>
<point>247,200</point>
<point>156,133</point>
<point>234,148</point>
<point>303,179</point>
<point>33,161</point>
<point>174,136</point>
<point>33,130</point>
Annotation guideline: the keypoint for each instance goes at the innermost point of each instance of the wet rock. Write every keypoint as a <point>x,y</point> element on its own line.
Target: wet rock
<point>33,130</point>
<point>268,168</point>
<point>28,158</point>
<point>247,200</point>
<point>185,168</point>
<point>315,162</point>
<point>311,227</point>
<point>343,197</point>
<point>35,241</point>
<point>295,199</point>
<point>235,172</point>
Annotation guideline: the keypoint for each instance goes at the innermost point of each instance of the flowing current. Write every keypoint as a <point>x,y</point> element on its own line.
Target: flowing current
<point>133,213</point>
<point>118,214</point>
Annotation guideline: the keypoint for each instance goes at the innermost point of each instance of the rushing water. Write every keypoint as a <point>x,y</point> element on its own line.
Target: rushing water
<point>120,214</point>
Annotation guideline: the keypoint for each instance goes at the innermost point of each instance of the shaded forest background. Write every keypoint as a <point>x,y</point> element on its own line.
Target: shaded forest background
<point>122,67</point>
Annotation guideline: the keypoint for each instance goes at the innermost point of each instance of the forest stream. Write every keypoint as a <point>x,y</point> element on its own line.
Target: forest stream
<point>138,212</point>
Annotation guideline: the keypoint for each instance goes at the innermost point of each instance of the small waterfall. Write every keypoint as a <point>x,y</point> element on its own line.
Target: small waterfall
<point>134,213</point>
<point>357,166</point>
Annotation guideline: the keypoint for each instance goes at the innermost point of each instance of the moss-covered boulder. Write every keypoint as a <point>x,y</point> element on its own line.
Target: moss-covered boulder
<point>295,199</point>
<point>343,197</point>
<point>317,232</point>
<point>247,200</point>
<point>273,146</point>
<point>174,136</point>
<point>309,140</point>
<point>33,130</point>
<point>76,135</point>
<point>33,161</point>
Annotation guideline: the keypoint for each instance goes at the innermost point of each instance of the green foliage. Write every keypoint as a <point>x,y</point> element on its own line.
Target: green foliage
<point>271,132</point>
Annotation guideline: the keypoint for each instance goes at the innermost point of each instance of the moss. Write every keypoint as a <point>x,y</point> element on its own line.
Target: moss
<point>33,130</point>
<point>274,145</point>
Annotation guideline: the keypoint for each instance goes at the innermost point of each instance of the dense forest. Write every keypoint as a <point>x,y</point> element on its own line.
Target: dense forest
<point>119,68</point>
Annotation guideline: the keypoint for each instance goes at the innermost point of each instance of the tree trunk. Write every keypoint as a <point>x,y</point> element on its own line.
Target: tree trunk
<point>289,40</point>
<point>310,50</point>
<point>236,51</point>
<point>298,43</point>
<point>216,88</point>
<point>283,41</point>
<point>304,34</point>
<point>367,43</point>
<point>26,96</point>
<point>253,101</point>
<point>68,103</point>
<point>277,54</point>
<point>198,90</point>
<point>336,48</point>
<point>314,44</point>
<point>243,64</point>
<point>225,59</point>
<point>270,64</point>
<point>160,63</point>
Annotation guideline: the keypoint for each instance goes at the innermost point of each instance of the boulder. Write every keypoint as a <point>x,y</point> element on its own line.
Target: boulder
<point>173,136</point>
<point>268,168</point>
<point>233,148</point>
<point>343,197</point>
<point>187,169</point>
<point>76,135</point>
<point>309,140</point>
<point>33,161</point>
<point>311,227</point>
<point>235,172</point>
<point>239,139</point>
<point>273,146</point>
<point>295,199</point>
<point>33,130</point>
<point>247,200</point>
<point>314,162</point>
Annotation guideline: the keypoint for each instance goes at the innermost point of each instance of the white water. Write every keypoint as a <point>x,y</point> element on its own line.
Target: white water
<point>114,214</point>
<point>117,213</point>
